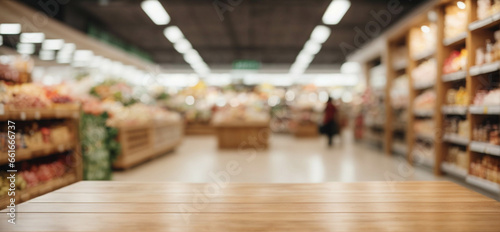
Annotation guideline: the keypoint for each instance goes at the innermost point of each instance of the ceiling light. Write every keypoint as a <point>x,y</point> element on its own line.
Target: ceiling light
<point>461,5</point>
<point>52,44</point>
<point>26,48</point>
<point>68,48</point>
<point>156,12</point>
<point>47,55</point>
<point>320,34</point>
<point>182,46</point>
<point>425,29</point>
<point>336,11</point>
<point>312,47</point>
<point>350,68</point>
<point>10,28</point>
<point>192,56</point>
<point>32,37</point>
<point>83,55</point>
<point>173,34</point>
<point>304,58</point>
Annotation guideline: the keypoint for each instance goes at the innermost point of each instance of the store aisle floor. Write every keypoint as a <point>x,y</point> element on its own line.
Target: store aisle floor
<point>287,160</point>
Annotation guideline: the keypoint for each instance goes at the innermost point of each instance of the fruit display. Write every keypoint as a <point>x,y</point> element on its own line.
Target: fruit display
<point>425,74</point>
<point>114,91</point>
<point>487,98</point>
<point>457,157</point>
<point>486,167</point>
<point>456,61</point>
<point>35,135</point>
<point>458,97</point>
<point>425,101</point>
<point>30,96</point>
<point>488,131</point>
<point>16,69</point>
<point>455,20</point>
<point>241,113</point>
<point>137,114</point>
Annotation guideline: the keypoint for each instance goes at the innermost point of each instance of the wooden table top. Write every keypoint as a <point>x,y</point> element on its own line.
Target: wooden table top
<point>363,206</point>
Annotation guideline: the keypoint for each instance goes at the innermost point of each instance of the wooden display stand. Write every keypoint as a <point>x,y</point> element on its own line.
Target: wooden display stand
<point>305,130</point>
<point>197,128</point>
<point>143,142</point>
<point>74,174</point>
<point>239,135</point>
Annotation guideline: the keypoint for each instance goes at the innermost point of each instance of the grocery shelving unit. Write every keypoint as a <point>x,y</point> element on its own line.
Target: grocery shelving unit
<point>70,116</point>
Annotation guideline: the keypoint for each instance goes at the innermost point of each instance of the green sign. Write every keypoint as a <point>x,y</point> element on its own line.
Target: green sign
<point>246,64</point>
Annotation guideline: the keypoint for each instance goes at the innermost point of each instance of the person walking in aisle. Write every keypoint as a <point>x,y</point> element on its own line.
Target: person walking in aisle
<point>329,122</point>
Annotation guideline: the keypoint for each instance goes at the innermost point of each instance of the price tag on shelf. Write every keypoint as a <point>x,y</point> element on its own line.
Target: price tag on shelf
<point>37,115</point>
<point>23,116</point>
<point>2,109</point>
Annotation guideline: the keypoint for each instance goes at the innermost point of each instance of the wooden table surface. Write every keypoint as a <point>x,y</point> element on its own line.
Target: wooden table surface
<point>363,206</point>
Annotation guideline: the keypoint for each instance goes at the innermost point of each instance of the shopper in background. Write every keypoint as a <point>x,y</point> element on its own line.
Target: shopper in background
<point>330,126</point>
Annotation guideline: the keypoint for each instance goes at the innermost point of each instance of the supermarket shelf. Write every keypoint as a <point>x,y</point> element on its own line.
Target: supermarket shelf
<point>460,38</point>
<point>422,86</point>
<point>454,110</point>
<point>424,137</point>
<point>42,151</point>
<point>454,76</point>
<point>38,114</point>
<point>454,170</point>
<point>40,189</point>
<point>482,183</point>
<point>400,64</point>
<point>485,23</point>
<point>491,110</point>
<point>485,148</point>
<point>423,55</point>
<point>423,113</point>
<point>484,68</point>
<point>456,139</point>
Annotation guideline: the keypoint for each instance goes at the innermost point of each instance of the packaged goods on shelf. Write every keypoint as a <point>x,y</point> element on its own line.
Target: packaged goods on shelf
<point>455,21</point>
<point>490,52</point>
<point>487,98</point>
<point>15,69</point>
<point>425,101</point>
<point>456,61</point>
<point>399,92</point>
<point>423,40</point>
<point>458,126</point>
<point>486,8</point>
<point>423,153</point>
<point>425,74</point>
<point>457,157</point>
<point>488,132</point>
<point>486,167</point>
<point>458,97</point>
<point>424,127</point>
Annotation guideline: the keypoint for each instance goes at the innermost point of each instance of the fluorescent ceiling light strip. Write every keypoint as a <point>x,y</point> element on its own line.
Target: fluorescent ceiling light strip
<point>52,44</point>
<point>336,11</point>
<point>312,47</point>
<point>47,55</point>
<point>182,46</point>
<point>320,34</point>
<point>32,37</point>
<point>26,48</point>
<point>10,28</point>
<point>173,34</point>
<point>154,9</point>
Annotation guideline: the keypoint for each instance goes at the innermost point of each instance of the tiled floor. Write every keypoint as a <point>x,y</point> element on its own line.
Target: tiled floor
<point>288,160</point>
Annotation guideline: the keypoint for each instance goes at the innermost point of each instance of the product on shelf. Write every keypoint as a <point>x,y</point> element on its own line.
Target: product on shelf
<point>457,157</point>
<point>31,96</point>
<point>34,136</point>
<point>488,132</point>
<point>241,114</point>
<point>423,39</point>
<point>487,98</point>
<point>455,21</point>
<point>425,73</point>
<point>400,92</point>
<point>424,127</point>
<point>457,125</point>
<point>458,97</point>
<point>490,52</point>
<point>456,61</point>
<point>486,8</point>
<point>486,167</point>
<point>425,101</point>
<point>137,114</point>
<point>15,69</point>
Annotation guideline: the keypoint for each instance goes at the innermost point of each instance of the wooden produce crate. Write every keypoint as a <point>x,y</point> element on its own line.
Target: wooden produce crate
<point>199,129</point>
<point>240,135</point>
<point>305,130</point>
<point>141,143</point>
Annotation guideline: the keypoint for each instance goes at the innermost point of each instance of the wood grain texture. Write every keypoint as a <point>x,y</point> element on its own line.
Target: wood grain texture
<point>365,206</point>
